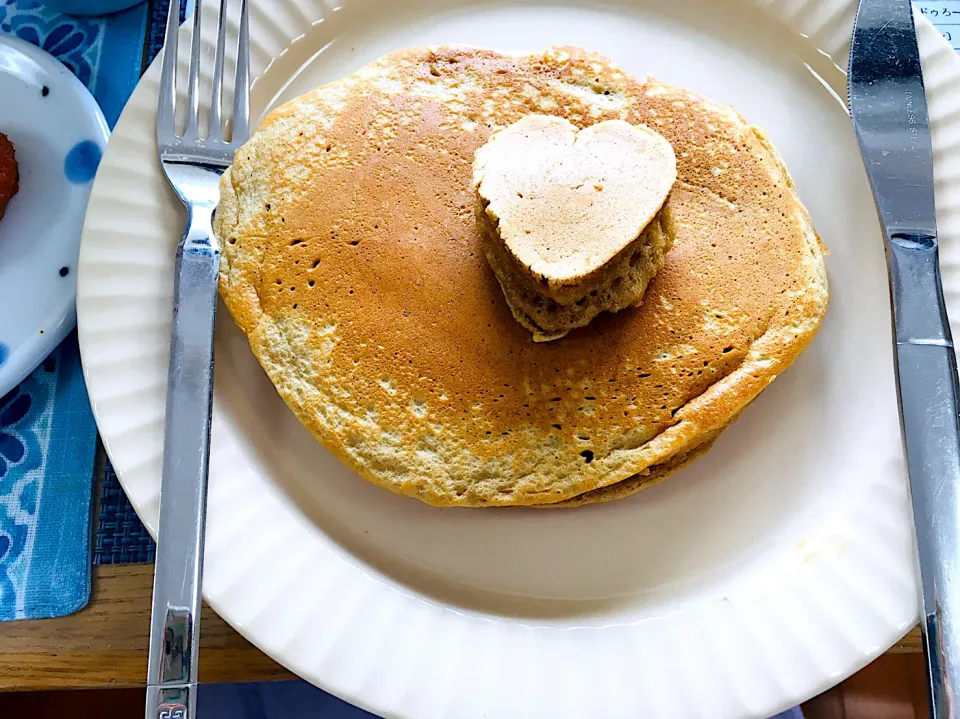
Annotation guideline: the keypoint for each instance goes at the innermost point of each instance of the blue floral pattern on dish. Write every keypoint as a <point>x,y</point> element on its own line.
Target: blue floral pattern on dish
<point>72,40</point>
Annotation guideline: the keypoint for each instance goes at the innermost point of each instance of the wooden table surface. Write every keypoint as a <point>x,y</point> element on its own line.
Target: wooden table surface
<point>105,645</point>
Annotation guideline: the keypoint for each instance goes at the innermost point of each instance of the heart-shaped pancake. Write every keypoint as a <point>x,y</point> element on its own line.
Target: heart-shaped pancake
<point>565,202</point>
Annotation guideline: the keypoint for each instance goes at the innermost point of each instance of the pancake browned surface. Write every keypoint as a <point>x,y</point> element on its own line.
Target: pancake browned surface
<point>353,263</point>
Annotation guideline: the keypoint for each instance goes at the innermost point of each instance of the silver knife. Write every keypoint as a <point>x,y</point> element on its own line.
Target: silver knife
<point>889,110</point>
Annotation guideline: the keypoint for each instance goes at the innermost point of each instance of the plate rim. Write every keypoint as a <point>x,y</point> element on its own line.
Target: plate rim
<point>253,627</point>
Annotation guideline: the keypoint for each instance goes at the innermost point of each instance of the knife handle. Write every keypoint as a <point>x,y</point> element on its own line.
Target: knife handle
<point>928,390</point>
<point>175,614</point>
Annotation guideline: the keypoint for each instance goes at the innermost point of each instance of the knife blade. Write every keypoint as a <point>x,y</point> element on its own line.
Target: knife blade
<point>889,111</point>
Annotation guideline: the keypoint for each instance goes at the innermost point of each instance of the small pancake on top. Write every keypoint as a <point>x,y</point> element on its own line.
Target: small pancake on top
<point>566,216</point>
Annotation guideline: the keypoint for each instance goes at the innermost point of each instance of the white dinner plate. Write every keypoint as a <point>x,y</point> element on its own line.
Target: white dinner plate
<point>770,569</point>
<point>58,134</point>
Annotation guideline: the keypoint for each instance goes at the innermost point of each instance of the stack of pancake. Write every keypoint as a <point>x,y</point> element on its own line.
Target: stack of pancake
<point>571,219</point>
<point>354,264</point>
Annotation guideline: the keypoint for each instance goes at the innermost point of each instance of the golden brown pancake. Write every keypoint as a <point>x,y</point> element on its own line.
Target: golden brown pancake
<point>353,264</point>
<point>649,477</point>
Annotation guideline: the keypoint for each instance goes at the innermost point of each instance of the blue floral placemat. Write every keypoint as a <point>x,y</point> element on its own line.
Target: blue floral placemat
<point>47,443</point>
<point>47,432</point>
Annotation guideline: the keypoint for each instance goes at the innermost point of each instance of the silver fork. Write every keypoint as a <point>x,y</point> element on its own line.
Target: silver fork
<point>193,165</point>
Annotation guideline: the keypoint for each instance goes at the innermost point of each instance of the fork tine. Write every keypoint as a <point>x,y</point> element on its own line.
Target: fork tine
<point>241,94</point>
<point>216,97</point>
<point>191,131</point>
<point>168,74</point>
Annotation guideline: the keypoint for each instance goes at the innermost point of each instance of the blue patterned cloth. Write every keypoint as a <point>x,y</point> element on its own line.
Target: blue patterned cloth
<point>47,433</point>
<point>47,443</point>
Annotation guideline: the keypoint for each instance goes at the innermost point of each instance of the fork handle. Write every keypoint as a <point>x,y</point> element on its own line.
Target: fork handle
<point>175,615</point>
<point>928,391</point>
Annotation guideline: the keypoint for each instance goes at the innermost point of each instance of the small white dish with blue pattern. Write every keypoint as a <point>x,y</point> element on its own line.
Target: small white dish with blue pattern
<point>58,134</point>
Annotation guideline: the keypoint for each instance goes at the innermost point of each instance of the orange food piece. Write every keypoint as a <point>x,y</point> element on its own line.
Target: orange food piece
<point>9,173</point>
